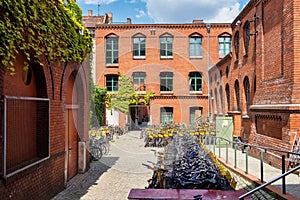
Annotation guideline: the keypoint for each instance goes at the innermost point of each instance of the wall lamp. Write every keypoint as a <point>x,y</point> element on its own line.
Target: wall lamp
<point>253,19</point>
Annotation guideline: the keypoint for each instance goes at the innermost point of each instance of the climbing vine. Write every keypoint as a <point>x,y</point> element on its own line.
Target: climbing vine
<point>38,28</point>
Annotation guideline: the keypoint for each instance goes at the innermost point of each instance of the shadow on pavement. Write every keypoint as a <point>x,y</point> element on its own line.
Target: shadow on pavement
<point>79,185</point>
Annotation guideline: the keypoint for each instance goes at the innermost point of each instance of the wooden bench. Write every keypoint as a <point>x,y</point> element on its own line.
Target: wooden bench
<point>187,194</point>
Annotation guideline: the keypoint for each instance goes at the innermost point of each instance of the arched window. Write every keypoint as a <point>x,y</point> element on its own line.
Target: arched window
<point>112,49</point>
<point>227,71</point>
<point>247,93</point>
<point>166,46</point>
<point>195,42</point>
<point>247,37</point>
<point>227,89</point>
<point>224,44</point>
<point>237,94</point>
<point>221,99</point>
<point>217,103</point>
<point>139,46</point>
<point>237,45</point>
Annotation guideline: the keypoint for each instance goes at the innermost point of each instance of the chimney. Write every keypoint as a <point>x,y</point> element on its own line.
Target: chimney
<point>90,12</point>
<point>198,21</point>
<point>110,17</point>
<point>128,20</point>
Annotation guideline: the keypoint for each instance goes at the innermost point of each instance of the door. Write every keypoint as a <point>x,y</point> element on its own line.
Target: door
<point>224,129</point>
<point>72,142</point>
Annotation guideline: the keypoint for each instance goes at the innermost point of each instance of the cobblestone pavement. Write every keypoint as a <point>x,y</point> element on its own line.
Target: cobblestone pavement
<point>112,177</point>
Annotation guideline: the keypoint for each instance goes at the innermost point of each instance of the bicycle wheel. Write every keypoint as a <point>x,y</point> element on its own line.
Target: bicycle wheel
<point>96,153</point>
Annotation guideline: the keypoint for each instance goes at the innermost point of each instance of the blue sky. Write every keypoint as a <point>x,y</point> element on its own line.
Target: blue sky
<point>165,11</point>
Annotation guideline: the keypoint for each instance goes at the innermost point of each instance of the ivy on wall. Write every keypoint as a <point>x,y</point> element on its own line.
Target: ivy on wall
<point>42,28</point>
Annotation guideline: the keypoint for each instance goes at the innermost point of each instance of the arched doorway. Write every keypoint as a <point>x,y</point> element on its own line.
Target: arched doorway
<point>71,129</point>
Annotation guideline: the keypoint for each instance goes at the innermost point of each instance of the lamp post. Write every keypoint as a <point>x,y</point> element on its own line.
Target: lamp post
<point>208,63</point>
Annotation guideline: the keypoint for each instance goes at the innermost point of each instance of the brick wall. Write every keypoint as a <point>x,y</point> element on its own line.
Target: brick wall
<point>271,67</point>
<point>46,179</point>
<point>181,64</point>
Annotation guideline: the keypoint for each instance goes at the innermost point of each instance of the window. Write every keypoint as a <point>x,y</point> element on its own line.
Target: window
<point>247,93</point>
<point>217,102</point>
<point>112,83</point>
<point>237,95</point>
<point>112,49</point>
<point>195,114</point>
<point>166,46</point>
<point>166,81</point>
<point>237,45</point>
<point>166,115</point>
<point>221,99</point>
<point>92,33</point>
<point>139,47</point>
<point>139,81</point>
<point>247,37</point>
<point>227,71</point>
<point>221,75</point>
<point>195,81</point>
<point>27,133</point>
<point>224,45</point>
<point>228,96</point>
<point>195,46</point>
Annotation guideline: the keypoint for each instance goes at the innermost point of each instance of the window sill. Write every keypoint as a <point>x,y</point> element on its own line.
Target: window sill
<point>195,92</point>
<point>139,57</point>
<point>140,92</point>
<point>166,57</point>
<point>196,57</point>
<point>112,65</point>
<point>166,92</point>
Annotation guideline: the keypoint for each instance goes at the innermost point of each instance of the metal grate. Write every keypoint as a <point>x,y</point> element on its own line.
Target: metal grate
<point>25,133</point>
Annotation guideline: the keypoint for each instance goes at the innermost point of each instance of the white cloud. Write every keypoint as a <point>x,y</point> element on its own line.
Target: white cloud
<point>179,11</point>
<point>141,14</point>
<point>95,2</point>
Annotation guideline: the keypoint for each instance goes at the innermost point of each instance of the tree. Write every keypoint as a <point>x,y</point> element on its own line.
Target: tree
<point>124,94</point>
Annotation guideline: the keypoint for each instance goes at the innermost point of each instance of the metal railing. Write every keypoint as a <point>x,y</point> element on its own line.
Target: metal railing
<point>216,141</point>
<point>269,182</point>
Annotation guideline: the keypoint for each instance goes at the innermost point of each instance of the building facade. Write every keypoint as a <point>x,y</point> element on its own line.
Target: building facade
<point>44,125</point>
<point>259,81</point>
<point>170,60</point>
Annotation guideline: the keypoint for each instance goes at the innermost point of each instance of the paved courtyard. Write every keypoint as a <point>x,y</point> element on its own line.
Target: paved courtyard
<point>112,177</point>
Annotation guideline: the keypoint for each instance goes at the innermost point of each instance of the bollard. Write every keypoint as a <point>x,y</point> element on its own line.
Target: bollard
<point>283,171</point>
<point>246,160</point>
<point>261,166</point>
<point>235,149</point>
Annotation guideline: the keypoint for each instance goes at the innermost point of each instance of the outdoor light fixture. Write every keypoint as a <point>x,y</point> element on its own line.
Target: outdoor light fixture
<point>238,22</point>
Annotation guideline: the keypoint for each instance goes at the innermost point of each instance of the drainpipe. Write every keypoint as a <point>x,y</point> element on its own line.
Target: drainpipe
<point>208,66</point>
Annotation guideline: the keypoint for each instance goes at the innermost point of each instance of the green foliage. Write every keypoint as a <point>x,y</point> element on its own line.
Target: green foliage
<point>147,98</point>
<point>124,94</point>
<point>97,106</point>
<point>38,28</point>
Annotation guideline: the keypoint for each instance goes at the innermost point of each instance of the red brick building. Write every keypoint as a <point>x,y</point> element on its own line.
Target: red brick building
<point>44,127</point>
<point>258,83</point>
<point>169,59</point>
